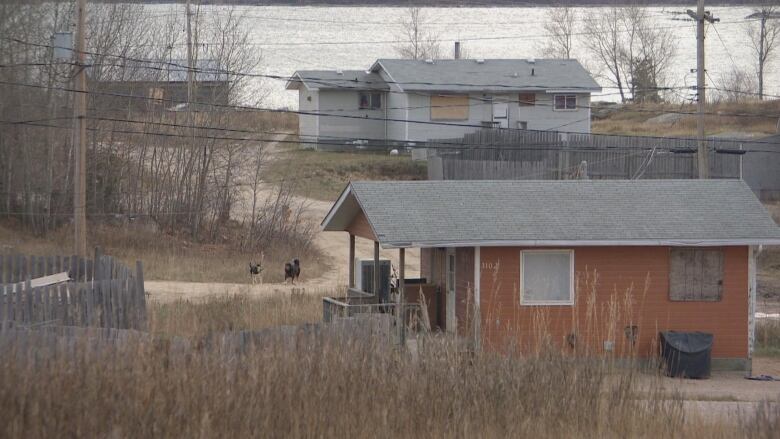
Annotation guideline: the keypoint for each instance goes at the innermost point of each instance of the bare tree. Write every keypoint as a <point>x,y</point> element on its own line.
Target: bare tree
<point>763,35</point>
<point>605,43</point>
<point>418,41</point>
<point>635,56</point>
<point>736,85</point>
<point>560,27</point>
<point>651,50</point>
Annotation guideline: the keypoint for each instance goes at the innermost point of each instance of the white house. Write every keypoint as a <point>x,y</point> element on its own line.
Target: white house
<point>415,100</point>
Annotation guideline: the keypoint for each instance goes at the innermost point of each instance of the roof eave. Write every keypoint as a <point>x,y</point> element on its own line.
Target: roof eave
<point>333,209</point>
<point>295,84</point>
<point>377,66</point>
<point>586,243</point>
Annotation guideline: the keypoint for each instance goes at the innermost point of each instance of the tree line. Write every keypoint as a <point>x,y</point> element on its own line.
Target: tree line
<point>186,168</point>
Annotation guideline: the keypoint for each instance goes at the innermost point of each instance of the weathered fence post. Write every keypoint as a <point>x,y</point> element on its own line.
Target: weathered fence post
<point>140,308</point>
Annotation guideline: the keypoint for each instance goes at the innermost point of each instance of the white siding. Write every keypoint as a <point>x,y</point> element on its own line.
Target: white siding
<point>368,125</point>
<point>308,101</point>
<point>421,111</point>
<point>542,116</point>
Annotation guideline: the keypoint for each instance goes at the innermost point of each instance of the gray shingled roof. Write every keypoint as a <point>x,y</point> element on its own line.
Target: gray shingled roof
<point>494,75</point>
<point>581,212</point>
<point>332,79</point>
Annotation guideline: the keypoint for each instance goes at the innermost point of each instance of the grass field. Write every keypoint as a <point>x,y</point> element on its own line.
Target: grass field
<point>323,175</point>
<point>165,257</point>
<point>631,119</point>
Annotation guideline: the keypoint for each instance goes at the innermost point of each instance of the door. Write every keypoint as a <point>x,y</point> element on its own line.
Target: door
<point>500,114</point>
<point>451,321</point>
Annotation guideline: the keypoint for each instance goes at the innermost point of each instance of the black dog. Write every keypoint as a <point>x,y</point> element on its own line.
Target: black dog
<point>292,270</point>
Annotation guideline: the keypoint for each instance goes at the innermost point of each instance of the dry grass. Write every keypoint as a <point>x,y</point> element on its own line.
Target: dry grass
<point>630,120</point>
<point>344,390</point>
<point>334,389</point>
<point>323,175</point>
<point>768,338</point>
<point>234,313</point>
<point>165,257</point>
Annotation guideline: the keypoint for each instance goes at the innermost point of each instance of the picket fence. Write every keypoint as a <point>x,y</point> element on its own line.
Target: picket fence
<point>100,292</point>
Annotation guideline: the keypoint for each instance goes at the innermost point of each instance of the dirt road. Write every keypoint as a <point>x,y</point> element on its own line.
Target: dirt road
<point>335,245</point>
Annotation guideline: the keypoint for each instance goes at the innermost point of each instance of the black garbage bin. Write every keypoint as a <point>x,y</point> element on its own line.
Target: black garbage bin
<point>686,354</point>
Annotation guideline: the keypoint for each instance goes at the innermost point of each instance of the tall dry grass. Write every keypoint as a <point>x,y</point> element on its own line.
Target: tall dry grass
<point>234,313</point>
<point>768,337</point>
<point>346,388</point>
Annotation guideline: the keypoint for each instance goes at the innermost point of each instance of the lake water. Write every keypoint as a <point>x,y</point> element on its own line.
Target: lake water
<point>294,38</point>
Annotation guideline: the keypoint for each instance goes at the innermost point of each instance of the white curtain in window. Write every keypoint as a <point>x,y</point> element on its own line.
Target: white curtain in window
<point>546,276</point>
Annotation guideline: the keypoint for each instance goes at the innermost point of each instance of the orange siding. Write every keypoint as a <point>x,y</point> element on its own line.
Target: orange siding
<point>360,227</point>
<point>631,288</point>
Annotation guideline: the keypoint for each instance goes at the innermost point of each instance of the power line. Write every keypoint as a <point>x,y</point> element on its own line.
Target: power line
<point>347,83</point>
<point>344,116</point>
<point>418,144</point>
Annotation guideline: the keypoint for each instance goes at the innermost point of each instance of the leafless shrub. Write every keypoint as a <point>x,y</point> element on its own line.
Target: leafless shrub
<point>281,221</point>
<point>736,85</point>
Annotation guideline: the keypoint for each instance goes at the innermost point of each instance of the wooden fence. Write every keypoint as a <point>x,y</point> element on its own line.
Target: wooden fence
<point>547,155</point>
<point>101,292</point>
<point>47,342</point>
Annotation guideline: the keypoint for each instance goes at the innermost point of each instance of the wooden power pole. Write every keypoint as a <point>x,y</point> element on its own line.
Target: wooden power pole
<point>703,155</point>
<point>80,135</point>
<point>189,59</point>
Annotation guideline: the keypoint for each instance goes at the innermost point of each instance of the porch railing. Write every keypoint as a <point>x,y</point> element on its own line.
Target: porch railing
<point>352,305</point>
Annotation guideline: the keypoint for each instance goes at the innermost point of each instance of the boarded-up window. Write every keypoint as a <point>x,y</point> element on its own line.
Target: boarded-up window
<point>527,99</point>
<point>449,107</point>
<point>156,93</point>
<point>696,274</point>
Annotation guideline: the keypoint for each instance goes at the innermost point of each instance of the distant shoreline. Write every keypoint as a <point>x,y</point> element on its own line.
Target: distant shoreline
<point>441,4</point>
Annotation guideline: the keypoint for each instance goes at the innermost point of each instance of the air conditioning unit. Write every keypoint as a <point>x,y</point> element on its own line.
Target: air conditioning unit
<point>364,276</point>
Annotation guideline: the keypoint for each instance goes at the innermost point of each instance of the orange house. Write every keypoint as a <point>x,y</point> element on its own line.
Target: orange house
<point>592,267</point>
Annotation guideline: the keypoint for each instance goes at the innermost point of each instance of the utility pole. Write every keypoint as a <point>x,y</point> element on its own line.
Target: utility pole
<point>195,215</point>
<point>80,135</point>
<point>189,61</point>
<point>703,155</point>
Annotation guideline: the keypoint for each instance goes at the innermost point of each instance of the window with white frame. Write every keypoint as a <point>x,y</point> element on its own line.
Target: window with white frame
<point>547,277</point>
<point>370,101</point>
<point>565,102</point>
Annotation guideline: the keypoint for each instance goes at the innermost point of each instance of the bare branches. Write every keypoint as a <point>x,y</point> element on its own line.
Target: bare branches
<point>736,85</point>
<point>635,55</point>
<point>560,27</point>
<point>763,36</point>
<point>419,41</point>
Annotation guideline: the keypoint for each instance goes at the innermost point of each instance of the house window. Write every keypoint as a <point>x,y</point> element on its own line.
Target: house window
<point>522,125</point>
<point>695,274</point>
<point>449,107</point>
<point>547,277</point>
<point>565,102</point>
<point>527,99</point>
<point>370,101</point>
